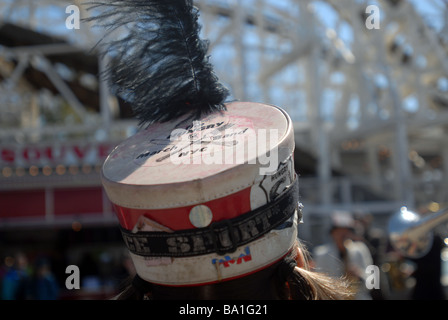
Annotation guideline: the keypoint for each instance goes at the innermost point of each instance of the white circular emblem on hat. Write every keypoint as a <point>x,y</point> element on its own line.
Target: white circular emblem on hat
<point>200,216</point>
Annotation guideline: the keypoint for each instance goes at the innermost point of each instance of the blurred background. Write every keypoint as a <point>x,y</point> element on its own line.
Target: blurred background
<point>367,92</point>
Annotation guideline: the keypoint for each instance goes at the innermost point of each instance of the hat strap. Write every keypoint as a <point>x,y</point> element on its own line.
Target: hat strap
<point>220,237</point>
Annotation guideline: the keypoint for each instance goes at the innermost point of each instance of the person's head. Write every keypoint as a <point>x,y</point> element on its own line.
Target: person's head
<point>42,266</point>
<point>342,228</point>
<point>194,200</point>
<point>206,194</point>
<point>21,261</point>
<point>200,229</point>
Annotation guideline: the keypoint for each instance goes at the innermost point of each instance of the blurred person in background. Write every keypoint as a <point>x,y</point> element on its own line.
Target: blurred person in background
<point>427,274</point>
<point>16,284</point>
<point>45,286</point>
<point>376,240</point>
<point>346,255</point>
<point>428,270</point>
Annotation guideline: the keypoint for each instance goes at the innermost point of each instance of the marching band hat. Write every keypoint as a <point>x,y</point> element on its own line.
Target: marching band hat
<point>206,190</point>
<point>207,200</point>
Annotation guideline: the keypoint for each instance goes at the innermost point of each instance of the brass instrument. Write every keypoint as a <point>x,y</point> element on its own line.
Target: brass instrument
<point>411,234</point>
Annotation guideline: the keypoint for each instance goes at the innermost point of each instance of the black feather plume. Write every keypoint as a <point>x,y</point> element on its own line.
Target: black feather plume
<point>160,66</point>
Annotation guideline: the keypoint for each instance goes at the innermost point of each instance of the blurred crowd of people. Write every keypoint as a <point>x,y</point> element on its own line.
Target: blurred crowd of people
<point>355,244</point>
<point>21,280</point>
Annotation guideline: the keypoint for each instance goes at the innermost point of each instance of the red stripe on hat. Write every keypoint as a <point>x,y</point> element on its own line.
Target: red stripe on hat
<point>178,218</point>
